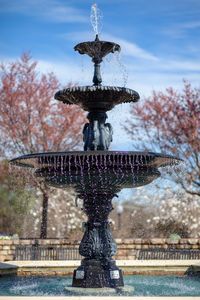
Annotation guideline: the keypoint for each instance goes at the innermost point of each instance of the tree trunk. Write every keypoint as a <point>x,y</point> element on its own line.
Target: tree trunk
<point>43,231</point>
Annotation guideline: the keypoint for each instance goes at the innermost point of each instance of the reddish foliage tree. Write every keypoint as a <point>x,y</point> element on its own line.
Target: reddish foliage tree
<point>170,121</point>
<point>31,121</point>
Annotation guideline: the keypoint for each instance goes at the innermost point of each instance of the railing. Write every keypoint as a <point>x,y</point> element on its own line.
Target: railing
<point>167,254</point>
<point>37,252</point>
<point>53,252</point>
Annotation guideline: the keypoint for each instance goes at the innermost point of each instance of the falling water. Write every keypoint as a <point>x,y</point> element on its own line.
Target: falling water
<point>82,69</point>
<point>175,171</point>
<point>96,18</point>
<point>122,67</point>
<point>91,173</point>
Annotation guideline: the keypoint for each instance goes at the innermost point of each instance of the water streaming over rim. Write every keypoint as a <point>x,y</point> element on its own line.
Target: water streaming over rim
<point>96,170</point>
<point>123,69</point>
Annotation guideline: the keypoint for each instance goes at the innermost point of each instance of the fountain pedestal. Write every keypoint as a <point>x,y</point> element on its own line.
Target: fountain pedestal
<point>97,269</point>
<point>96,273</point>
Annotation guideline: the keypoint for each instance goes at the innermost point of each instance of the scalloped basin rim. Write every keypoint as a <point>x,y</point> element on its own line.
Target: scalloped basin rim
<point>98,87</point>
<point>158,159</point>
<point>97,98</point>
<point>95,88</point>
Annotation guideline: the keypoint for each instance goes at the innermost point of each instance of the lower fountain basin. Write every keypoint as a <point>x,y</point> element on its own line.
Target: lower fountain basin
<point>97,170</point>
<point>99,180</point>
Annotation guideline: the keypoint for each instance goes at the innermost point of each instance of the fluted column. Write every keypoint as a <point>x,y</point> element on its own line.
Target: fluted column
<point>97,269</point>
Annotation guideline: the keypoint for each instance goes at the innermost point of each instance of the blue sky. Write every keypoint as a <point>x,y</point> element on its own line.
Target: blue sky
<point>160,42</point>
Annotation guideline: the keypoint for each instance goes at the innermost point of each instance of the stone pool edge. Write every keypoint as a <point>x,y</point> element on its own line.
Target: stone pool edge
<point>129,267</point>
<point>96,298</point>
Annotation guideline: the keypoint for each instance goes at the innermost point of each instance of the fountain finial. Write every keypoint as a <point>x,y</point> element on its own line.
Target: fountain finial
<point>97,38</point>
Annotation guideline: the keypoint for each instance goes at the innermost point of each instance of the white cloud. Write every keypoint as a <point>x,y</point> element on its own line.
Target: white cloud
<point>78,36</point>
<point>66,71</point>
<point>190,25</point>
<point>181,29</point>
<point>50,10</point>
<point>183,65</point>
<point>132,49</point>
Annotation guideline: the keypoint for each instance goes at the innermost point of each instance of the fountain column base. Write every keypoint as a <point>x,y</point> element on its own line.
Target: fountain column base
<point>98,269</point>
<point>94,273</point>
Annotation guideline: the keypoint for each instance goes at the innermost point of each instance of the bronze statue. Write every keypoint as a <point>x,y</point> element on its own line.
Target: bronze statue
<point>97,135</point>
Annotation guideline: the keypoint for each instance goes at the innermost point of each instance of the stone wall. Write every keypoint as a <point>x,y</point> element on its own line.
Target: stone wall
<point>127,248</point>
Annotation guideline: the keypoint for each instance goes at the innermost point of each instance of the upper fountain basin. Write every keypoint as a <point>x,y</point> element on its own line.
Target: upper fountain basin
<point>97,49</point>
<point>97,98</point>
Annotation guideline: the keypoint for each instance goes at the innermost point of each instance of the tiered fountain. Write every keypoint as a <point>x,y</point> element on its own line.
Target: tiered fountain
<point>96,173</point>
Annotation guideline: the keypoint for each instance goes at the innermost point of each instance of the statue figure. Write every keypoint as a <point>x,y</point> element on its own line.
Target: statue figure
<point>97,135</point>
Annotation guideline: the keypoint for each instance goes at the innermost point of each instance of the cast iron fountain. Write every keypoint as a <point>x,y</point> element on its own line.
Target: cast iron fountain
<point>96,173</point>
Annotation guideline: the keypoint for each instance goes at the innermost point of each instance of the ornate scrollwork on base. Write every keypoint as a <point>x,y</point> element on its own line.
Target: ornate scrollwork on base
<point>97,242</point>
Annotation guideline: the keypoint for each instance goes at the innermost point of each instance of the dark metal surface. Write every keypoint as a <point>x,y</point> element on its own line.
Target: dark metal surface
<point>97,269</point>
<point>109,158</point>
<point>97,49</point>
<point>97,79</point>
<point>97,98</point>
<point>95,273</point>
<point>97,171</point>
<point>97,134</point>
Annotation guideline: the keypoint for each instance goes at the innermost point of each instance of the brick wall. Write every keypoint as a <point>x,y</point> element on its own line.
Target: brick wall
<point>127,248</point>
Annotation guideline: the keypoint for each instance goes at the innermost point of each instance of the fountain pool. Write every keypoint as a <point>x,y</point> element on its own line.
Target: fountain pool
<point>142,286</point>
